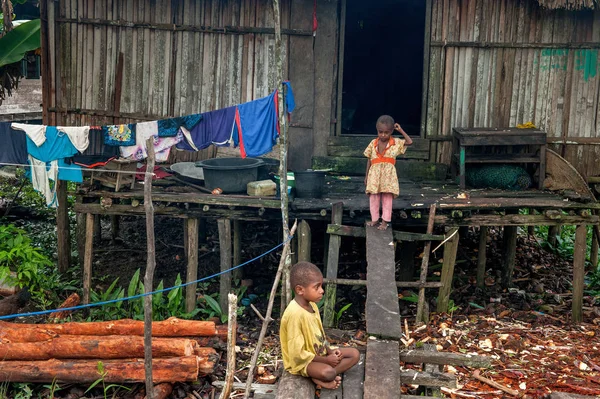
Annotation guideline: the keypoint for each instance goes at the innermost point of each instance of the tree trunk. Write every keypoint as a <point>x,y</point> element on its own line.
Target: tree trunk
<point>161,391</point>
<point>87,347</point>
<point>123,371</point>
<point>10,334</point>
<point>172,327</point>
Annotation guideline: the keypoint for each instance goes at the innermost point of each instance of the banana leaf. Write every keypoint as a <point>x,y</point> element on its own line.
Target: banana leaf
<point>17,42</point>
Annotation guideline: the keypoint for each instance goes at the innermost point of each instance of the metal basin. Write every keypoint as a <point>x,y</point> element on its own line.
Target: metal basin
<point>231,175</point>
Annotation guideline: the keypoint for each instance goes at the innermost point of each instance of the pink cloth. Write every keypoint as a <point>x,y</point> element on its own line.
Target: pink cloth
<point>386,200</point>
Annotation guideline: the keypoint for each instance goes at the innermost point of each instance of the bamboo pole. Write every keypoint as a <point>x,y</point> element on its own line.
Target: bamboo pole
<point>421,317</point>
<point>150,265</point>
<point>231,340</point>
<point>267,317</point>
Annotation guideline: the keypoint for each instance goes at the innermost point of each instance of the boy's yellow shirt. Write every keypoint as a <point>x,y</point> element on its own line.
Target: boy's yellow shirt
<point>302,337</point>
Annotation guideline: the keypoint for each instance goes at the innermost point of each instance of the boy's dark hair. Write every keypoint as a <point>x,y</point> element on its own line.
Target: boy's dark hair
<point>302,273</point>
<point>385,120</point>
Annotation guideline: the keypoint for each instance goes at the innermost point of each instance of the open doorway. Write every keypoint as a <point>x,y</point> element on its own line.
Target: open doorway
<point>383,64</point>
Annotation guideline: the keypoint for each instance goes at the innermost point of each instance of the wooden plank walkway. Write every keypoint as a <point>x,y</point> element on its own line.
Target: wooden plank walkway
<point>382,370</point>
<point>382,310</point>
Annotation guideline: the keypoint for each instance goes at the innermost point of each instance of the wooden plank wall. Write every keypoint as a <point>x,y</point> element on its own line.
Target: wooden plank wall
<point>120,61</point>
<point>500,63</point>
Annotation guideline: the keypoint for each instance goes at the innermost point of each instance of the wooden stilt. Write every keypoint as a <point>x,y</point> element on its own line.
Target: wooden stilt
<point>185,237</point>
<point>333,256</point>
<point>594,252</point>
<point>87,261</point>
<point>238,274</point>
<point>450,249</point>
<point>579,252</point>
<point>481,256</point>
<point>114,227</point>
<point>80,236</point>
<point>304,241</point>
<point>510,250</point>
<point>294,251</point>
<point>407,260</point>
<point>421,317</point>
<point>553,232</point>
<point>62,228</point>
<point>192,263</point>
<point>225,249</point>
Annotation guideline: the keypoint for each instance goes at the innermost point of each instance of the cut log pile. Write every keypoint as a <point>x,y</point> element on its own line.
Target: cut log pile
<point>70,352</point>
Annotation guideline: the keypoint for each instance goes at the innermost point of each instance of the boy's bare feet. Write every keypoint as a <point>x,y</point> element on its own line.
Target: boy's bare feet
<point>371,224</point>
<point>383,225</point>
<point>328,384</point>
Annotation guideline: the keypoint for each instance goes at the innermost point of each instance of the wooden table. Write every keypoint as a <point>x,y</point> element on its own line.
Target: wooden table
<point>490,145</point>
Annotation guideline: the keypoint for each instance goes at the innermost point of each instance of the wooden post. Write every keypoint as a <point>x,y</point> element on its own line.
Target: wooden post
<point>510,251</point>
<point>481,256</point>
<point>294,251</point>
<point>185,237</point>
<point>80,235</point>
<point>579,252</point>
<point>594,252</point>
<point>88,257</point>
<point>424,266</point>
<point>62,227</point>
<point>553,232</point>
<point>304,241</point>
<point>237,249</point>
<point>231,341</point>
<point>150,265</point>
<point>332,266</point>
<point>225,250</point>
<point>191,249</point>
<point>450,249</point>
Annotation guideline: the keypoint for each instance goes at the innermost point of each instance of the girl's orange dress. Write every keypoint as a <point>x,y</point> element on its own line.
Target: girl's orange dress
<point>382,174</point>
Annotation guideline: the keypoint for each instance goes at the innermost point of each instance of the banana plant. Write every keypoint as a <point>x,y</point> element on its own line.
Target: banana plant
<point>16,43</point>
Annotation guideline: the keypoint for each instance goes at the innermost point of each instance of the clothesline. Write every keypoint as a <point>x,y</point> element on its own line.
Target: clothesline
<point>77,168</point>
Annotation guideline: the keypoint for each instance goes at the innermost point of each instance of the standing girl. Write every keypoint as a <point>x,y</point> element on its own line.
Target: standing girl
<point>381,178</point>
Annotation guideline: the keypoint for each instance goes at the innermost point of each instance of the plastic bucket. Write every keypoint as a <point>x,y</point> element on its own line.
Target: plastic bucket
<point>309,184</point>
<point>269,168</point>
<point>232,175</point>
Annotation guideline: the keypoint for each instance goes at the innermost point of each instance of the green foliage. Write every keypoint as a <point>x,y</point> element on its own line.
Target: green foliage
<point>338,315</point>
<point>212,307</point>
<point>20,40</point>
<point>105,388</point>
<point>414,298</point>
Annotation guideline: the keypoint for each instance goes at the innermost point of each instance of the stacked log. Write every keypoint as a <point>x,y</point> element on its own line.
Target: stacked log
<point>70,352</point>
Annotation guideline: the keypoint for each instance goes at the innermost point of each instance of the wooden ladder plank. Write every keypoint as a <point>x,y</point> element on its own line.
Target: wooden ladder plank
<point>354,380</point>
<point>382,310</point>
<point>382,370</point>
<point>428,379</point>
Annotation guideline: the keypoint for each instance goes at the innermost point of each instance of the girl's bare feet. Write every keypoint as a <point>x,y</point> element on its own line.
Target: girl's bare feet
<point>371,224</point>
<point>328,384</point>
<point>384,225</point>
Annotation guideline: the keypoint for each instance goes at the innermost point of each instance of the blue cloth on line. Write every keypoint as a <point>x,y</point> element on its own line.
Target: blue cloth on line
<point>170,127</point>
<point>290,101</point>
<point>119,135</point>
<point>13,145</point>
<point>214,128</point>
<point>256,127</point>
<point>57,147</point>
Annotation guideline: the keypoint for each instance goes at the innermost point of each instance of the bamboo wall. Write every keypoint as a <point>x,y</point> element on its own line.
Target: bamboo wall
<point>500,63</point>
<point>119,61</point>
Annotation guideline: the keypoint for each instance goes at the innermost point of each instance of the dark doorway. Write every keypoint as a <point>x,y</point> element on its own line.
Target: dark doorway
<point>383,64</point>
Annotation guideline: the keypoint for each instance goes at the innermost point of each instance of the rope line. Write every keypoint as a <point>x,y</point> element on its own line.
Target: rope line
<point>102,303</point>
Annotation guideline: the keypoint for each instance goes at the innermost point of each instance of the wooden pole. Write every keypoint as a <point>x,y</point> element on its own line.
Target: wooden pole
<point>332,266</point>
<point>231,341</point>
<point>237,249</point>
<point>594,253</point>
<point>225,250</point>
<point>304,241</point>
<point>267,317</point>
<point>192,263</point>
<point>88,257</point>
<point>510,251</point>
<point>579,252</point>
<point>481,256</point>
<point>424,266</point>
<point>62,227</point>
<point>450,249</point>
<point>553,232</point>
<point>283,146</point>
<point>150,265</point>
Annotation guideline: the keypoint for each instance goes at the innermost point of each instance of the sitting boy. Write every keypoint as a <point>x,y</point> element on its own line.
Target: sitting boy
<point>304,347</point>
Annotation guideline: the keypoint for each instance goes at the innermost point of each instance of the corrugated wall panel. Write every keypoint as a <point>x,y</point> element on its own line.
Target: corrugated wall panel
<point>489,68</point>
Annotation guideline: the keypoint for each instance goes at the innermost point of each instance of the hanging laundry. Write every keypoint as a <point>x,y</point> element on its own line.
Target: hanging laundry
<point>97,152</point>
<point>256,128</point>
<point>290,101</point>
<point>162,145</point>
<point>92,161</point>
<point>53,154</point>
<point>36,133</point>
<point>170,127</point>
<point>119,135</point>
<point>79,136</point>
<point>13,148</point>
<point>214,128</point>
